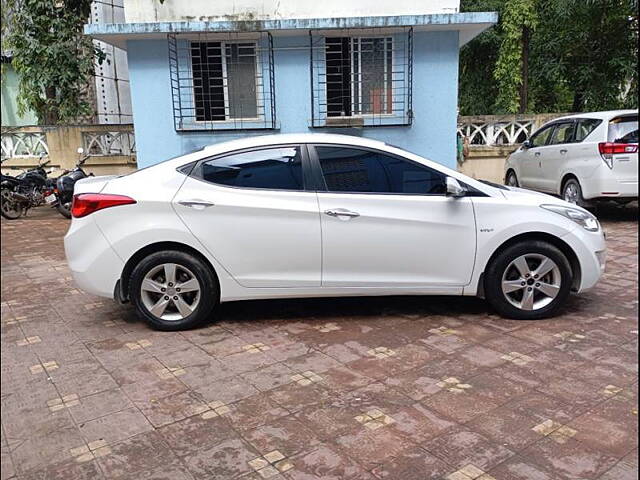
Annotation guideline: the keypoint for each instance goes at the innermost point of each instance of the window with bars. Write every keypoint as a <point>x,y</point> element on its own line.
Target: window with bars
<point>361,80</point>
<point>222,84</point>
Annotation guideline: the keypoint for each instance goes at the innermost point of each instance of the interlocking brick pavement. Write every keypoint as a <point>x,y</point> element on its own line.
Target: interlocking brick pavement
<point>380,388</point>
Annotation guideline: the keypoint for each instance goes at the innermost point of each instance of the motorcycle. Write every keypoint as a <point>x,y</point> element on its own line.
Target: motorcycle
<point>65,184</point>
<point>24,191</point>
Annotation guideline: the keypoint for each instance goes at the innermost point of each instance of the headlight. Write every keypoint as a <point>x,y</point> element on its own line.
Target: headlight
<point>582,218</point>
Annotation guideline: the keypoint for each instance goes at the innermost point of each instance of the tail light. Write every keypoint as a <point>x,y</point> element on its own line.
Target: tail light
<point>608,149</point>
<point>87,203</point>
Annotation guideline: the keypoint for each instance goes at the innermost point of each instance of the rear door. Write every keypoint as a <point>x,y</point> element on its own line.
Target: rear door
<point>252,213</point>
<point>623,131</point>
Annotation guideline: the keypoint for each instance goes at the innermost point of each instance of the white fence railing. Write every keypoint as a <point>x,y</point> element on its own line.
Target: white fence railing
<point>496,130</point>
<point>96,143</point>
<point>23,144</point>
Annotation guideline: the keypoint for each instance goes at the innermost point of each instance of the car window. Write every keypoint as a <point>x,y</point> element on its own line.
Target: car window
<point>272,168</point>
<point>541,136</point>
<point>563,133</point>
<point>356,170</point>
<point>585,127</point>
<point>624,129</point>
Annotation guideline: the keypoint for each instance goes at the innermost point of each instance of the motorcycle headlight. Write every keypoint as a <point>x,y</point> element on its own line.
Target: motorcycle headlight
<point>581,217</point>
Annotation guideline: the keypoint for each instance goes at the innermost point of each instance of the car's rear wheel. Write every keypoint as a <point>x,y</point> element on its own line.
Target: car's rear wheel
<point>528,281</point>
<point>512,179</point>
<point>173,290</point>
<point>572,192</point>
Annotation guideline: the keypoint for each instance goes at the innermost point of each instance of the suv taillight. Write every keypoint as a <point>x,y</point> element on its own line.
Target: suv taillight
<point>87,203</point>
<point>608,149</point>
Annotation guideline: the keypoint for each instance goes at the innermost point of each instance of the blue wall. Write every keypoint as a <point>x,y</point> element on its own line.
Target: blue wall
<point>435,95</point>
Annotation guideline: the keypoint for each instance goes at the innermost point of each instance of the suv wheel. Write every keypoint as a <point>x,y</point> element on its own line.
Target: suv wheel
<point>512,179</point>
<point>528,281</point>
<point>173,290</point>
<point>572,192</point>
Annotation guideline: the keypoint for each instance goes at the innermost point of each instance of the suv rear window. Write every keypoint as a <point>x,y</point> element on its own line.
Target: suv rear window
<point>623,129</point>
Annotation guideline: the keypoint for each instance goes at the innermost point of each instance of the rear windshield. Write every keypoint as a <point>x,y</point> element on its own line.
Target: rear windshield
<point>624,129</point>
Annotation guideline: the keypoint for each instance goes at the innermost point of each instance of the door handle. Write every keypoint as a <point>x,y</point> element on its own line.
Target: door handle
<point>563,151</point>
<point>198,204</point>
<point>341,212</point>
<point>537,154</point>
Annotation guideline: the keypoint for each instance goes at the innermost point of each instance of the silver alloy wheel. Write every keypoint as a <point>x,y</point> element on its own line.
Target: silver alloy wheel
<point>571,193</point>
<point>10,207</point>
<point>170,291</point>
<point>511,180</point>
<point>531,281</point>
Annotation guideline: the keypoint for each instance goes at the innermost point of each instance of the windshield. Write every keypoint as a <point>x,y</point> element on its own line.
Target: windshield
<point>624,129</point>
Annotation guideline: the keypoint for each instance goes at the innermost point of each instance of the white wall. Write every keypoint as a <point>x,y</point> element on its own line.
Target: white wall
<point>113,97</point>
<point>203,10</point>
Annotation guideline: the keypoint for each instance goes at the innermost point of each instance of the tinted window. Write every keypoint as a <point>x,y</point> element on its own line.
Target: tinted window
<point>563,133</point>
<point>355,170</point>
<point>585,127</point>
<point>541,136</point>
<point>274,168</point>
<point>624,130</point>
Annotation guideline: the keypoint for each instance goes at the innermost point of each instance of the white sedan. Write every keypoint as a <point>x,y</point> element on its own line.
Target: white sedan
<point>310,215</point>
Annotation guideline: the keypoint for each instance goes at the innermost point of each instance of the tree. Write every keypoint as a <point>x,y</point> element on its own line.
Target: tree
<point>52,57</point>
<point>551,56</point>
<point>512,67</point>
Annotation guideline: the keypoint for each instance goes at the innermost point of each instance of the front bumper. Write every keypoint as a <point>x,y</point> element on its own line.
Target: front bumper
<point>591,251</point>
<point>95,266</point>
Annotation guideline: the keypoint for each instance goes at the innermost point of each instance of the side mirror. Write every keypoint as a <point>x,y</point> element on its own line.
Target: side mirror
<point>454,189</point>
<point>526,144</point>
<point>80,150</point>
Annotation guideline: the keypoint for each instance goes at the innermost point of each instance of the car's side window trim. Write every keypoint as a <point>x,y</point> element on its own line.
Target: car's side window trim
<point>558,125</point>
<point>321,183</point>
<point>196,172</point>
<point>551,126</point>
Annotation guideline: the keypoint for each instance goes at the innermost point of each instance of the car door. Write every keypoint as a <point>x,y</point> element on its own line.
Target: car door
<point>250,210</point>
<point>386,222</point>
<point>557,155</point>
<point>530,163</point>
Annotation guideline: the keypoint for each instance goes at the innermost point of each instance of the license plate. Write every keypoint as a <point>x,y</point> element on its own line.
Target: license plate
<point>50,199</point>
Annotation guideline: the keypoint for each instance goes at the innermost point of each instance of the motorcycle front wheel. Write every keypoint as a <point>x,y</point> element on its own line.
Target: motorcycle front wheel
<point>10,209</point>
<point>64,208</point>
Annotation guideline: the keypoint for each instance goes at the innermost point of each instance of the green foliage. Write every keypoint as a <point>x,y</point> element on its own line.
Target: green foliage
<point>53,58</point>
<point>582,56</point>
<point>518,15</point>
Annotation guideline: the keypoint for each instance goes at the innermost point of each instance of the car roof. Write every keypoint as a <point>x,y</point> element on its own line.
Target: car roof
<point>598,115</point>
<point>265,140</point>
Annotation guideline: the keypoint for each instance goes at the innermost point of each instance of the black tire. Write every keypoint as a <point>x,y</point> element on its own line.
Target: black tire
<point>10,209</point>
<point>208,283</point>
<point>573,185</point>
<point>511,179</point>
<point>496,270</point>
<point>64,209</point>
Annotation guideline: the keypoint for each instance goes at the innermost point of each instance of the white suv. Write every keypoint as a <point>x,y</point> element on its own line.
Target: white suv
<point>589,156</point>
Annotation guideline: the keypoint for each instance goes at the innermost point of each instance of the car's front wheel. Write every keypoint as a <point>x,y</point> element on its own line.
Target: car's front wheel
<point>512,179</point>
<point>173,290</point>
<point>528,280</point>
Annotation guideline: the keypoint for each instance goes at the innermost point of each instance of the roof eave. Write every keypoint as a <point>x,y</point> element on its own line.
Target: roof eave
<point>469,24</point>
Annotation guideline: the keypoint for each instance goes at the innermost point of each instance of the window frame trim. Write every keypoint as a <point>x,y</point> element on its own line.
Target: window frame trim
<point>225,81</point>
<point>322,186</point>
<point>195,172</point>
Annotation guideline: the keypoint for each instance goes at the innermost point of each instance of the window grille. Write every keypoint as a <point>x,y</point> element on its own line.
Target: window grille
<point>222,81</point>
<point>361,78</point>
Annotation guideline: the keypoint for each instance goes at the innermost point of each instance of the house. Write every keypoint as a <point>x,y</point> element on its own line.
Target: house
<point>203,72</point>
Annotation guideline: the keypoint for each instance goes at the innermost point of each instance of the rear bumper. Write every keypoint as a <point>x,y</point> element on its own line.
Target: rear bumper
<point>95,266</point>
<point>605,185</point>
